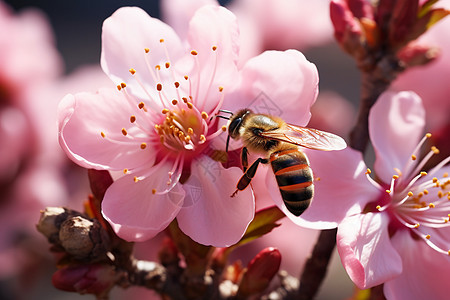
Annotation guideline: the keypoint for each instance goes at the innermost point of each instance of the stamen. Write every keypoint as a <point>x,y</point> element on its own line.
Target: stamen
<point>124,131</point>
<point>133,119</point>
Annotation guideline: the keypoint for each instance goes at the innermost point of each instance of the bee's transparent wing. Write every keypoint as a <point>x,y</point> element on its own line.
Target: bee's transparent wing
<point>306,137</point>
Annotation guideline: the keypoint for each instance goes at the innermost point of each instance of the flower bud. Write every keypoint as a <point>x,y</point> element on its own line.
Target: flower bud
<point>416,55</point>
<point>47,224</point>
<point>347,29</point>
<point>95,279</point>
<point>83,238</point>
<point>260,271</point>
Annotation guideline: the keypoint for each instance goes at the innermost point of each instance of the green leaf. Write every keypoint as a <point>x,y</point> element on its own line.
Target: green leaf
<point>437,15</point>
<point>425,8</point>
<point>263,223</point>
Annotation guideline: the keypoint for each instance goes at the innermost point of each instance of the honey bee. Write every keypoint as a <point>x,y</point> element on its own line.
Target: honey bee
<point>278,141</point>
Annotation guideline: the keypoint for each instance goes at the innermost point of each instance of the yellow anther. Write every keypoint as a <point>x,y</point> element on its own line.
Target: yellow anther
<point>153,191</point>
<point>220,88</point>
<point>204,115</point>
<point>417,225</point>
<point>448,252</point>
<point>161,40</point>
<point>445,174</point>
<point>141,105</point>
<point>133,119</point>
<point>143,146</point>
<point>420,195</point>
<point>214,48</point>
<point>423,173</point>
<point>193,52</point>
<point>124,131</point>
<point>431,205</point>
<point>378,207</point>
<point>317,179</point>
<point>185,100</point>
<point>177,84</point>
<point>187,139</point>
<point>132,71</point>
<point>413,157</point>
<point>167,64</point>
<point>202,138</point>
<point>224,128</point>
<point>435,180</point>
<point>119,87</point>
<point>428,236</point>
<point>159,87</point>
<point>440,194</point>
<point>428,135</point>
<point>189,105</point>
<point>395,177</point>
<point>102,134</point>
<point>123,85</point>
<point>158,67</point>
<point>190,130</point>
<point>186,77</point>
<point>368,171</point>
<point>388,191</point>
<point>435,150</point>
<point>410,194</point>
<point>425,192</point>
<point>174,101</point>
<point>135,179</point>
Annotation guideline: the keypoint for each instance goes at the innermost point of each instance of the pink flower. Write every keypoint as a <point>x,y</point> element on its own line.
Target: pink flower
<point>394,230</point>
<point>159,128</point>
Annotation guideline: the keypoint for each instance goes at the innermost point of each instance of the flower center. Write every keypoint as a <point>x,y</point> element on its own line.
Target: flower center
<point>418,204</point>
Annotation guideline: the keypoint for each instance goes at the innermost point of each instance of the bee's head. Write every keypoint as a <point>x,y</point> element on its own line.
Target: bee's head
<point>236,122</point>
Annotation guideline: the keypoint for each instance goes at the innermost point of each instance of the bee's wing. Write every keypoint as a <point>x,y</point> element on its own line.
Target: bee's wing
<point>306,137</point>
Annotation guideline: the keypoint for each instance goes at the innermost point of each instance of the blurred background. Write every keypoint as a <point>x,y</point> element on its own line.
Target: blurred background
<point>76,30</point>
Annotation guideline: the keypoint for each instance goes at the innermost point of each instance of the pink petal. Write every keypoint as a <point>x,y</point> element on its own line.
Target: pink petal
<point>178,13</point>
<point>425,271</point>
<point>366,251</point>
<point>125,35</point>
<point>342,190</point>
<point>82,117</point>
<point>134,212</point>
<point>396,124</point>
<point>214,25</point>
<point>284,84</point>
<point>210,215</point>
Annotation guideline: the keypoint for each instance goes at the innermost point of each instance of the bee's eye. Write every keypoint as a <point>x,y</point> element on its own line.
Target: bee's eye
<point>233,128</point>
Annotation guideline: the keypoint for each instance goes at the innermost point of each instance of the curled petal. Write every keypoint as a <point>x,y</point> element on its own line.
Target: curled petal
<point>423,271</point>
<point>366,251</point>
<point>135,212</point>
<point>261,81</point>
<point>210,215</point>
<point>81,120</point>
<point>396,124</point>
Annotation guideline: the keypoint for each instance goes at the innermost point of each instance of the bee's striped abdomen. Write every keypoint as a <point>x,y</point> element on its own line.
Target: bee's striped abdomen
<point>294,178</point>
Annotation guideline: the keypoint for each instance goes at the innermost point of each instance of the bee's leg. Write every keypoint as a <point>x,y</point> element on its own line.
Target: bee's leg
<point>244,159</point>
<point>248,175</point>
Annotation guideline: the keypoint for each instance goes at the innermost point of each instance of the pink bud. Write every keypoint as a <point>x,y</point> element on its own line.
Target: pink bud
<point>95,279</point>
<point>416,55</point>
<point>260,271</point>
<point>361,9</point>
<point>403,18</point>
<point>347,29</point>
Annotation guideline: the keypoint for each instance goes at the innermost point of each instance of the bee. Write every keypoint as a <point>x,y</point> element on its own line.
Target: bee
<point>279,143</point>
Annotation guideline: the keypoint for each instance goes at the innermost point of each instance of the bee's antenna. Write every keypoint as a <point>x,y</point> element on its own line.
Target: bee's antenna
<point>228,141</point>
<point>223,117</point>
